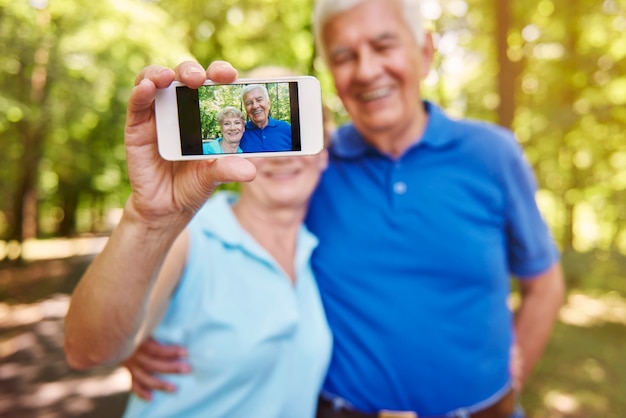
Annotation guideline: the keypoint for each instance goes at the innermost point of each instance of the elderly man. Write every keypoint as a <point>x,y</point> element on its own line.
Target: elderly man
<point>263,133</point>
<point>422,220</point>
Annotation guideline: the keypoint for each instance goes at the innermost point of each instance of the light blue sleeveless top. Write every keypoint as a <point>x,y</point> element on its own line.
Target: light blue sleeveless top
<point>213,147</point>
<point>258,345</point>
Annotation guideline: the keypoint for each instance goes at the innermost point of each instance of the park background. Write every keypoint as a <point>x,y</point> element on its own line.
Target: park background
<point>554,71</point>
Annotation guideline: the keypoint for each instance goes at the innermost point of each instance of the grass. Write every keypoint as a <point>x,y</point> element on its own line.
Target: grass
<point>582,374</point>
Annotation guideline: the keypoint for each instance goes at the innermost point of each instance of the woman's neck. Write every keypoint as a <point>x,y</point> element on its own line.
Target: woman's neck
<point>275,229</point>
<point>228,148</point>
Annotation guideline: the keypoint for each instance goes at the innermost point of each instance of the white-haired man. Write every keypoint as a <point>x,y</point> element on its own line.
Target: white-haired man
<point>263,133</point>
<point>421,221</point>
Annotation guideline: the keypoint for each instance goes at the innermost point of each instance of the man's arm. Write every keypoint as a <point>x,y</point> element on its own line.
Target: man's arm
<point>541,299</point>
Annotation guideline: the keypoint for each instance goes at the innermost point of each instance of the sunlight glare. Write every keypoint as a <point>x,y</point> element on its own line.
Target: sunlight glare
<point>62,247</point>
<point>431,9</point>
<point>585,310</point>
<point>562,402</point>
<point>117,381</point>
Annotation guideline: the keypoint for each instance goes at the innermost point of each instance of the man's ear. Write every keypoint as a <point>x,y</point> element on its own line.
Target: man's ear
<point>427,54</point>
<point>323,159</point>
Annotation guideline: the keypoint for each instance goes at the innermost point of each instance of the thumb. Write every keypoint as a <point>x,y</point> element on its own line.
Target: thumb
<point>227,170</point>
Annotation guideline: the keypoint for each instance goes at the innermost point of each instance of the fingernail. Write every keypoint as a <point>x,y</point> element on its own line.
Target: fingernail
<point>195,70</point>
<point>163,70</point>
<point>185,368</point>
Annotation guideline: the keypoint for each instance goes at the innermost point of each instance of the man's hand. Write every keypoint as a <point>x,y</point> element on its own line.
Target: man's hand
<point>152,357</point>
<point>166,192</point>
<point>516,366</point>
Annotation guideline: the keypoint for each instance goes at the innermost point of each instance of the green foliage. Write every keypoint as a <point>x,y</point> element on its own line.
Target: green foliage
<point>66,69</point>
<point>583,370</point>
<point>247,33</point>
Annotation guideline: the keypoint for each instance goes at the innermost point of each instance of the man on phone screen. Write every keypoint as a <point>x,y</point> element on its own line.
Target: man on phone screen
<point>263,133</point>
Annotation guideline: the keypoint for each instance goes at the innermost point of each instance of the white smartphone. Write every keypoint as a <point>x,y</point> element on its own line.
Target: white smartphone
<point>280,116</point>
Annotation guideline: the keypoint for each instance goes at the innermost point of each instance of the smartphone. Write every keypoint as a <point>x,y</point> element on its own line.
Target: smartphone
<point>280,116</point>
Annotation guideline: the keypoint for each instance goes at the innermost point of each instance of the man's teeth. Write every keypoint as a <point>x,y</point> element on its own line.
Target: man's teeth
<point>376,94</point>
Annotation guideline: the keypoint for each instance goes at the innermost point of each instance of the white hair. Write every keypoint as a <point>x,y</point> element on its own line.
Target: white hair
<point>327,9</point>
<point>248,88</point>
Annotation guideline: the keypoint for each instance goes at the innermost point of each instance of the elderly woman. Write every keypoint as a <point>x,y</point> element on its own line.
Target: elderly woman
<point>232,123</point>
<point>229,279</point>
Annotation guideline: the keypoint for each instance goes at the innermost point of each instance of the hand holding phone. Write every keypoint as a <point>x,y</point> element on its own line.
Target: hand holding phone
<point>269,117</point>
<point>164,193</point>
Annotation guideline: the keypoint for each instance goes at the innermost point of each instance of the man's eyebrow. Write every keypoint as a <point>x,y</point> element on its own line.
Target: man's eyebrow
<point>339,50</point>
<point>385,36</point>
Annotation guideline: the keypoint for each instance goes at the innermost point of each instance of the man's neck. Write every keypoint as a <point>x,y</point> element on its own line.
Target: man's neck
<point>264,124</point>
<point>397,141</point>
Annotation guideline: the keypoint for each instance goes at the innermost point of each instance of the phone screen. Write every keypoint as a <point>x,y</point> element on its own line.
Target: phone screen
<point>239,118</point>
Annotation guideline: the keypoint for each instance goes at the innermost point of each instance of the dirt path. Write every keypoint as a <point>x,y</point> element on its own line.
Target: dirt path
<point>35,380</point>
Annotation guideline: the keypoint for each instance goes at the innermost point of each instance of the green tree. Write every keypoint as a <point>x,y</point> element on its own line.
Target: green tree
<point>68,67</point>
<point>247,33</point>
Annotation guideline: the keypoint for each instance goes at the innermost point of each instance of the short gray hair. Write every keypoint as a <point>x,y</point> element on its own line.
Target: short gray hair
<point>247,89</point>
<point>327,9</point>
<point>229,111</point>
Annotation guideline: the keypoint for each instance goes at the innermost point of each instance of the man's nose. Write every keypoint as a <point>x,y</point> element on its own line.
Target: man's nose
<point>368,65</point>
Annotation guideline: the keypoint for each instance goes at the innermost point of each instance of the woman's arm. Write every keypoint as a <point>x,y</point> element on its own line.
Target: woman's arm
<point>112,300</point>
<point>123,294</point>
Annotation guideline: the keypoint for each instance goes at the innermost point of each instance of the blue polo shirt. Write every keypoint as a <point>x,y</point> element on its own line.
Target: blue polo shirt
<point>414,263</point>
<point>276,136</point>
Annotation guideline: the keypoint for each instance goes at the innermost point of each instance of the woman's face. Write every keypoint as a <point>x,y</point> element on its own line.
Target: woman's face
<point>232,129</point>
<point>285,182</point>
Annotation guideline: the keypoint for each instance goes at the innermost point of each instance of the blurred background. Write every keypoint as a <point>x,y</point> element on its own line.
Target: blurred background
<point>554,71</point>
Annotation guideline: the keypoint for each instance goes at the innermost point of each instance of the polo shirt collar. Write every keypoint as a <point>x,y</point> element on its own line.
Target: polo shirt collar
<point>348,142</point>
<point>219,221</point>
<point>270,122</point>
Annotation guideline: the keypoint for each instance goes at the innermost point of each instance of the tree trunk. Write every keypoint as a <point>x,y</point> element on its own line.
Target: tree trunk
<point>509,70</point>
<point>67,226</point>
<point>25,198</point>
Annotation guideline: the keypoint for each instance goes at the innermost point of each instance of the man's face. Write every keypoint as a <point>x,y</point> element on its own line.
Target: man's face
<point>257,107</point>
<point>377,66</point>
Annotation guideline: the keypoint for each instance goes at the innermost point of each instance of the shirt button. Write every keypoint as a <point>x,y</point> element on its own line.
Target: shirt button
<point>399,187</point>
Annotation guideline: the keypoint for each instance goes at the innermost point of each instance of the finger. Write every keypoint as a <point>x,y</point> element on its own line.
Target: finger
<point>140,129</point>
<point>146,382</point>
<point>191,73</point>
<point>153,364</point>
<point>142,392</point>
<point>221,72</point>
<point>164,366</point>
<point>160,76</point>
<point>140,102</point>
<point>227,169</point>
<point>154,348</point>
